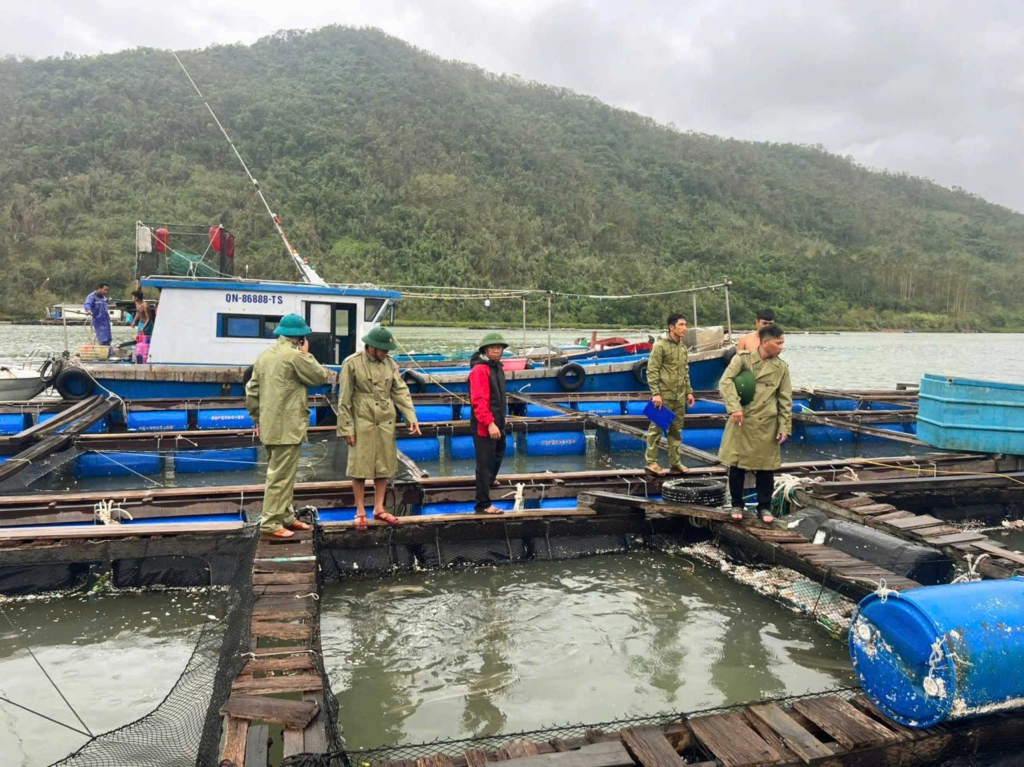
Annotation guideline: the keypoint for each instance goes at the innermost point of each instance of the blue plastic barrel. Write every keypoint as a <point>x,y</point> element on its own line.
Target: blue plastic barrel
<point>553,443</point>
<point>559,503</point>
<point>459,507</point>
<point>600,408</point>
<point>196,461</point>
<point>433,413</point>
<point>97,428</point>
<point>12,423</point>
<point>941,652</point>
<point>228,418</point>
<point>965,414</point>
<point>609,441</point>
<point>703,406</point>
<point>703,439</point>
<point>158,420</point>
<point>115,464</point>
<point>635,408</point>
<point>420,448</point>
<point>539,411</point>
<point>823,435</point>
<point>462,447</point>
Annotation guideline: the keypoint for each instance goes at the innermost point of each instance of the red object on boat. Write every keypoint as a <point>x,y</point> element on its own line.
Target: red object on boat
<point>229,245</point>
<point>514,364</point>
<point>162,238</point>
<point>605,343</point>
<point>215,239</point>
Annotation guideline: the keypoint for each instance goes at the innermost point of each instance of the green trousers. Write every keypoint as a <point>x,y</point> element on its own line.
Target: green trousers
<point>675,435</point>
<point>283,465</point>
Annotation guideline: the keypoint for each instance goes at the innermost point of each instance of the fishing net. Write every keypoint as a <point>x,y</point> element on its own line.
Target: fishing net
<point>36,469</point>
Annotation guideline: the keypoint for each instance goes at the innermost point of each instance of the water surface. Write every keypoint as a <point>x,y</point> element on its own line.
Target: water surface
<point>474,652</point>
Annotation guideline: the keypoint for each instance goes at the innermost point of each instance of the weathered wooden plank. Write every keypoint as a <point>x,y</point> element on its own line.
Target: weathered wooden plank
<point>998,551</point>
<point>257,746</point>
<point>606,754</point>
<point>864,703</point>
<point>280,652</point>
<point>118,531</point>
<point>922,533</point>
<point>278,684</point>
<point>281,589</point>
<point>267,550</point>
<point>284,579</point>
<point>518,748</point>
<point>438,760</point>
<point>649,747</point>
<point>921,520</point>
<point>270,566</point>
<point>855,502</point>
<point>293,742</point>
<point>795,737</point>
<point>281,614</point>
<point>475,757</point>
<point>892,516</point>
<point>948,540</point>
<point>874,509</point>
<point>290,713</point>
<point>280,630</point>
<point>277,665</point>
<point>235,732</point>
<point>733,742</point>
<point>847,725</point>
<point>314,737</point>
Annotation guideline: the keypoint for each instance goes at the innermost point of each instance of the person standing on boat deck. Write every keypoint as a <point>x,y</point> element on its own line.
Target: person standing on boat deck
<point>756,430</point>
<point>143,314</point>
<point>752,340</point>
<point>668,376</point>
<point>277,399</point>
<point>96,309</point>
<point>371,389</point>
<point>490,404</point>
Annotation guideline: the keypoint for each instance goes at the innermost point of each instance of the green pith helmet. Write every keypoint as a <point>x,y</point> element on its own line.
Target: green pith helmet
<point>493,339</point>
<point>380,338</point>
<point>293,326</point>
<point>746,385</point>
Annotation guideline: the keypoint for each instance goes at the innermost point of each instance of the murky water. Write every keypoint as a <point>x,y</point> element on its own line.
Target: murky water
<point>849,360</point>
<point>474,652</point>
<point>113,657</point>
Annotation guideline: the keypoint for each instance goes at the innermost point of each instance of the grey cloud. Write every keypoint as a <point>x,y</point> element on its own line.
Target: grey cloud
<point>935,89</point>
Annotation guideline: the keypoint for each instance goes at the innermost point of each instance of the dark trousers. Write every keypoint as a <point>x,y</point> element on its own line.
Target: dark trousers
<point>765,481</point>
<point>489,454</point>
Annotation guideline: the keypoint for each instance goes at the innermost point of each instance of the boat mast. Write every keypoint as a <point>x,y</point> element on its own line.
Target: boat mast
<point>308,273</point>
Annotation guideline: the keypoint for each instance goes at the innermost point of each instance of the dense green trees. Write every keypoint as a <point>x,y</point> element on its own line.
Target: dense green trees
<point>388,164</point>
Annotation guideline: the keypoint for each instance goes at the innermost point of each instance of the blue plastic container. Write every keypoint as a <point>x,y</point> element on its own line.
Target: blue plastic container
<point>433,413</point>
<point>539,411</point>
<point>116,464</point>
<point>703,406</point>
<point>461,448</point>
<point>703,439</point>
<point>420,448</point>
<point>97,428</point>
<point>941,652</point>
<point>196,461</point>
<point>609,441</point>
<point>635,408</point>
<point>228,418</point>
<point>559,503</point>
<point>553,443</point>
<point>823,435</point>
<point>12,423</point>
<point>158,420</point>
<point>978,416</point>
<point>600,408</point>
<point>459,507</point>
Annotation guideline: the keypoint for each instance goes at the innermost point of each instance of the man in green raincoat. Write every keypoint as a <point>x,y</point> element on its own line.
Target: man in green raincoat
<point>758,396</point>
<point>668,376</point>
<point>371,389</point>
<point>277,400</point>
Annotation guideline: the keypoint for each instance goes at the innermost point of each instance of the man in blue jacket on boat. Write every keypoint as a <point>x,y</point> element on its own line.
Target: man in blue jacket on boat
<point>96,309</point>
<point>668,376</point>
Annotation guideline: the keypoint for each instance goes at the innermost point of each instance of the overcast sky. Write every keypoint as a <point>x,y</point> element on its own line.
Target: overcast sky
<point>932,87</point>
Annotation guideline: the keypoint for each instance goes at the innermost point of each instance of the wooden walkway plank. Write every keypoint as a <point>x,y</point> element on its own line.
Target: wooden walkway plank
<point>270,630</point>
<point>733,742</point>
<point>292,741</point>
<point>285,579</point>
<point>998,551</point>
<point>893,516</point>
<point>920,520</point>
<point>277,665</point>
<point>795,737</point>
<point>518,748</point>
<point>290,713</point>
<point>864,704</point>
<point>314,737</point>
<point>847,725</point>
<point>949,540</point>
<point>278,684</point>
<point>650,747</point>
<point>438,760</point>
<point>607,754</point>
<point>257,746</point>
<point>475,757</point>
<point>235,732</point>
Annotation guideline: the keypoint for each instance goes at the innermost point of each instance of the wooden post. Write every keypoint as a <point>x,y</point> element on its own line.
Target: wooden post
<point>728,316</point>
<point>524,326</point>
<point>549,328</point>
<point>694,294</point>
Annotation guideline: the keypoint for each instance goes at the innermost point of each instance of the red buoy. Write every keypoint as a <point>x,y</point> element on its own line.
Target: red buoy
<point>162,238</point>
<point>215,238</point>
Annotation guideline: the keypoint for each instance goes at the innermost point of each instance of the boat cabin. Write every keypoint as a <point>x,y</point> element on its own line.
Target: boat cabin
<point>211,321</point>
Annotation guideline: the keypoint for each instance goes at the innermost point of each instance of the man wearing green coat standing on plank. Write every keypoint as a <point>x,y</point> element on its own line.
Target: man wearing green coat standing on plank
<point>277,400</point>
<point>668,376</point>
<point>758,396</point>
<point>371,389</point>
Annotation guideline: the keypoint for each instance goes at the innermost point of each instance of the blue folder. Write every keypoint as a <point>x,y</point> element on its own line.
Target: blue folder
<point>662,416</point>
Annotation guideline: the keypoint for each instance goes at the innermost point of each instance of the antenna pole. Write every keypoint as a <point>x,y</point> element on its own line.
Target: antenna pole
<point>308,272</point>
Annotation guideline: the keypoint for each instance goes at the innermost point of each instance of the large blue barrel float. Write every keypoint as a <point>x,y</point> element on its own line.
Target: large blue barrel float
<point>553,443</point>
<point>941,652</point>
<point>964,414</point>
<point>539,411</point>
<point>116,464</point>
<point>600,408</point>
<point>158,420</point>
<point>434,413</point>
<point>609,441</point>
<point>97,428</point>
<point>420,448</point>
<point>231,459</point>
<point>224,418</point>
<point>12,423</point>
<point>462,447</point>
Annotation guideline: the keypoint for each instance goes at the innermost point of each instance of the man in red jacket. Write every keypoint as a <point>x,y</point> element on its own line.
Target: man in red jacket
<point>487,395</point>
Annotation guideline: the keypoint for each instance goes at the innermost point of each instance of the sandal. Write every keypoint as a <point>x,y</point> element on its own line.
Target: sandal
<point>654,470</point>
<point>361,522</point>
<point>281,532</point>
<point>737,514</point>
<point>297,525</point>
<point>384,516</point>
<point>679,469</point>
<point>767,518</point>
<point>489,510</point>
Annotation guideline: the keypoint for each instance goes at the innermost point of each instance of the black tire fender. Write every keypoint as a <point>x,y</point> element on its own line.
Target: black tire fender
<point>640,372</point>
<point>571,377</point>
<point>74,384</point>
<point>50,369</point>
<point>246,376</point>
<point>416,382</point>
<point>729,354</point>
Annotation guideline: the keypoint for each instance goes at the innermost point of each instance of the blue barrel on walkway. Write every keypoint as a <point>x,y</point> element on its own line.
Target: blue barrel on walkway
<point>941,652</point>
<point>433,413</point>
<point>420,448</point>
<point>158,420</point>
<point>224,418</point>
<point>553,443</point>
<point>600,408</point>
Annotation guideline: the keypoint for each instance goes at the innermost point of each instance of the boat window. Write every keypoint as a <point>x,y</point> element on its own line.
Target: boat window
<point>246,326</point>
<point>371,307</point>
<point>341,315</point>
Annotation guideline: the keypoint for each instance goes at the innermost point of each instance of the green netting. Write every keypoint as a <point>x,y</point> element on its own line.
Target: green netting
<point>189,264</point>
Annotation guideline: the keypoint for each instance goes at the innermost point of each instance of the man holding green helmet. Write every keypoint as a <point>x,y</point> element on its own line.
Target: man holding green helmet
<point>758,396</point>
<point>277,398</point>
<point>371,389</point>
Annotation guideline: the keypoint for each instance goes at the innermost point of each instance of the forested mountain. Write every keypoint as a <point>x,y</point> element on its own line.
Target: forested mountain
<point>389,164</point>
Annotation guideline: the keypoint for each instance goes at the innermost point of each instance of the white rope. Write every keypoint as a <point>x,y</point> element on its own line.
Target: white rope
<point>785,484</point>
<point>520,498</point>
<point>971,575</point>
<point>103,512</point>
<point>884,593</point>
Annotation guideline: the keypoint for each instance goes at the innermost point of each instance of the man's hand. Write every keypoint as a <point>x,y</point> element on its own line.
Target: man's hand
<point>304,346</point>
<point>690,400</point>
<point>658,402</point>
<point>493,431</point>
<point>257,431</point>
<point>737,418</point>
<point>350,440</point>
<point>414,428</point>
<point>781,438</point>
